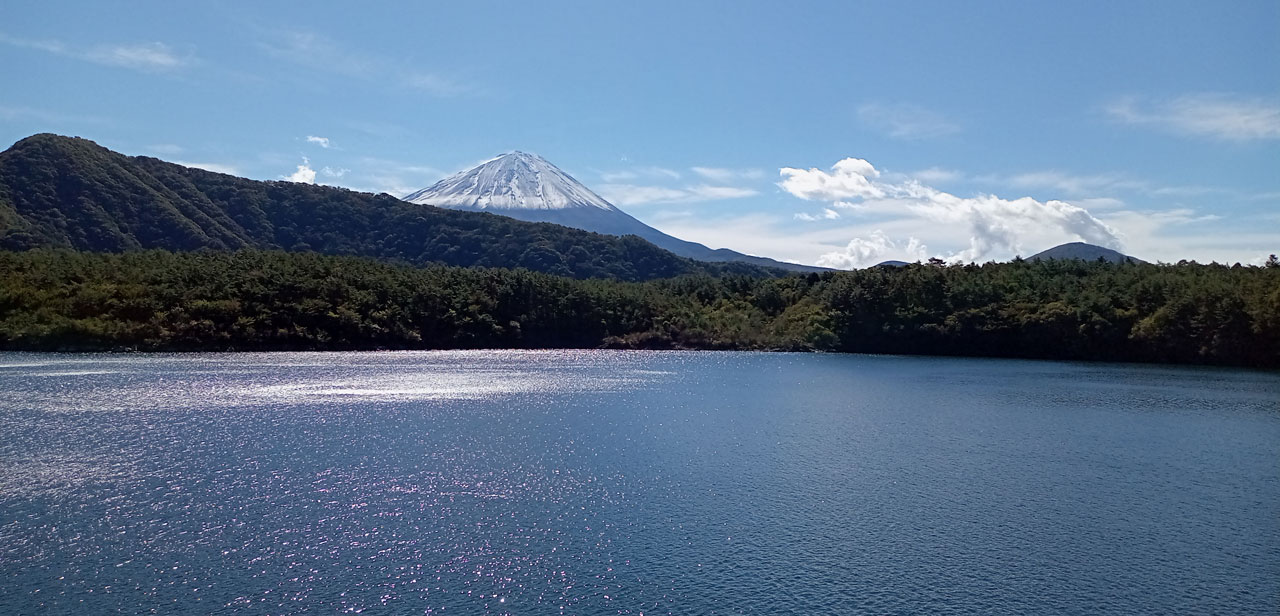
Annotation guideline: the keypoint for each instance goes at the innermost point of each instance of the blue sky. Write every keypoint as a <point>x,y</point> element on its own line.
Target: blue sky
<point>840,133</point>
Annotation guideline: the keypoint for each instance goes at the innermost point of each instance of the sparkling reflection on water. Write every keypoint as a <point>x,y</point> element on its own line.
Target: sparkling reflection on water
<point>593,482</point>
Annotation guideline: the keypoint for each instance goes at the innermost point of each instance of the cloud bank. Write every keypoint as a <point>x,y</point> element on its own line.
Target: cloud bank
<point>875,249</point>
<point>995,226</point>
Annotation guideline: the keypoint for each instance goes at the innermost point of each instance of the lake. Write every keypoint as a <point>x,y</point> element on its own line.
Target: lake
<point>598,482</point>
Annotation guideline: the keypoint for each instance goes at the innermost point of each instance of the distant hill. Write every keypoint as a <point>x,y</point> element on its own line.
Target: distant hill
<point>891,263</point>
<point>72,193</point>
<point>1083,252</point>
<point>528,187</point>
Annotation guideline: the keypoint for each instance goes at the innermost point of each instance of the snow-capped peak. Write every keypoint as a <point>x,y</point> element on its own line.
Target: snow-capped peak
<point>514,180</point>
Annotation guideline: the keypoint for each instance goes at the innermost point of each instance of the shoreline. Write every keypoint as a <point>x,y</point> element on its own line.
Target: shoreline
<point>189,351</point>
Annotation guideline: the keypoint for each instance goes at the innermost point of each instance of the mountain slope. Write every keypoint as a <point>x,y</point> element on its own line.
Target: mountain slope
<point>528,187</point>
<point>72,193</point>
<point>1084,252</point>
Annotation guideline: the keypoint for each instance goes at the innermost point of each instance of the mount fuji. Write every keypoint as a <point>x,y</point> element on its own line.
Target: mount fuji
<point>528,187</point>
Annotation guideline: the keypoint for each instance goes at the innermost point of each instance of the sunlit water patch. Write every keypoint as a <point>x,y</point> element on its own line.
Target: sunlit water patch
<point>583,482</point>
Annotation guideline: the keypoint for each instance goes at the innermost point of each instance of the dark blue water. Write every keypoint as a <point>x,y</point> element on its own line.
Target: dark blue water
<point>630,483</point>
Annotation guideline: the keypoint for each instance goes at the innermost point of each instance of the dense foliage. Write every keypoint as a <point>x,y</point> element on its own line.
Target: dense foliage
<point>1184,313</point>
<point>66,192</point>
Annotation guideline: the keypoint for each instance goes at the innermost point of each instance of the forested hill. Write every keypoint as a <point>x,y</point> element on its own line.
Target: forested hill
<point>1062,309</point>
<point>64,192</point>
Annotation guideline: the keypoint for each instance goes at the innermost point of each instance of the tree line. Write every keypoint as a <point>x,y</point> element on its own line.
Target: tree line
<point>272,300</point>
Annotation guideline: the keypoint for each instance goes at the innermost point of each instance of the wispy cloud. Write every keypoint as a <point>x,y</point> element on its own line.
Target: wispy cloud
<point>320,53</point>
<point>618,176</point>
<point>906,121</point>
<point>320,141</point>
<point>825,214</point>
<point>724,175</point>
<point>630,194</point>
<point>1083,186</point>
<point>937,175</point>
<point>44,115</point>
<point>145,57</point>
<point>1074,184</point>
<point>433,84</point>
<point>1220,116</point>
<point>380,175</point>
<point>148,57</point>
<point>643,185</point>
<point>651,172</point>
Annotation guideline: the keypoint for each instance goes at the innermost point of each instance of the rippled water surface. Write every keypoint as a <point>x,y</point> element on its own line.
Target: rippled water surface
<point>593,482</point>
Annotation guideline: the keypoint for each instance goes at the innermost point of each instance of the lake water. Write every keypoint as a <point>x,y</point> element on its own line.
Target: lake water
<point>595,482</point>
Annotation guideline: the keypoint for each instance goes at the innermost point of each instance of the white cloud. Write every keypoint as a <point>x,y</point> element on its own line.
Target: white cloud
<point>630,194</point>
<point>320,141</point>
<point>214,167</point>
<point>305,174</point>
<point>851,179</point>
<point>906,121</point>
<point>875,249</point>
<point>334,172</point>
<point>153,57</point>
<point>1207,115</point>
<point>995,226</point>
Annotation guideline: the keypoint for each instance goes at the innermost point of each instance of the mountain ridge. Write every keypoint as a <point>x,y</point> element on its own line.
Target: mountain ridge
<point>66,192</point>
<point>529,187</point>
<point>522,175</point>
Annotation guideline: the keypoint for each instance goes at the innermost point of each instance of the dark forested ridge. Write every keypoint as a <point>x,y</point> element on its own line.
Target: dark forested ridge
<point>1081,250</point>
<point>155,300</point>
<point>63,192</point>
